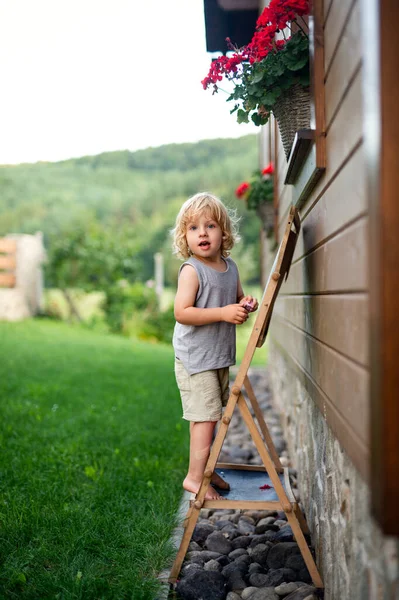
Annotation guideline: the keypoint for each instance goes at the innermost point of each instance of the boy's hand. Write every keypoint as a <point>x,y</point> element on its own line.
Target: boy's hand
<point>249,303</point>
<point>234,313</point>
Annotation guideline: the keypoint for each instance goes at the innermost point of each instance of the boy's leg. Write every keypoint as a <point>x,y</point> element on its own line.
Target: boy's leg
<point>201,434</point>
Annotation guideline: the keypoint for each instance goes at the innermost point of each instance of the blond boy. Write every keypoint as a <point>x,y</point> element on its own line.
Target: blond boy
<point>208,306</point>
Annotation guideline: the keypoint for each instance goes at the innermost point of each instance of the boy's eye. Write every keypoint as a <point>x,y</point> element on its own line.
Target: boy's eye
<point>192,227</point>
<point>211,226</point>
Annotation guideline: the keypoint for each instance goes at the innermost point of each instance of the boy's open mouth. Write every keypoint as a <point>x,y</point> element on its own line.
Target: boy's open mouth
<point>204,244</point>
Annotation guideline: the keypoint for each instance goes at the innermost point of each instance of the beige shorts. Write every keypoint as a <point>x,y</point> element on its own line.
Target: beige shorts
<point>203,394</point>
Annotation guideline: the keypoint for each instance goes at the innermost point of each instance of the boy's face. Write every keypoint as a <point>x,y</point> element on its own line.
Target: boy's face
<point>204,237</point>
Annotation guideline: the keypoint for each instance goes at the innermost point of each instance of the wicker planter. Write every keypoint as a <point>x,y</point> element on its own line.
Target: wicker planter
<point>265,212</point>
<point>292,111</point>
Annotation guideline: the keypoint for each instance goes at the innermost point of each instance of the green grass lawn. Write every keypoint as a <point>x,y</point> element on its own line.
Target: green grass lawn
<point>93,453</point>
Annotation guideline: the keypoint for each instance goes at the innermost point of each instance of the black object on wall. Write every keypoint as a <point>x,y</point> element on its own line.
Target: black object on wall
<point>238,25</point>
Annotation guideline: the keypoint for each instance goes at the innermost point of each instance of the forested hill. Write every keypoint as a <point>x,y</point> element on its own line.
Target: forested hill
<point>180,157</point>
<point>141,190</point>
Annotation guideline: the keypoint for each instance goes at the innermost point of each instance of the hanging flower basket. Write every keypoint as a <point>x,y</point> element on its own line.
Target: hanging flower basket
<point>292,111</point>
<point>271,73</point>
<point>265,212</point>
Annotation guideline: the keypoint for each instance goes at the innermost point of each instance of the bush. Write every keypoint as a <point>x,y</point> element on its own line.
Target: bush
<point>122,300</point>
<point>158,325</point>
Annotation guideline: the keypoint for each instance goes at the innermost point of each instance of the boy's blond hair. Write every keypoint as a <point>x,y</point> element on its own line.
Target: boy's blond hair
<point>192,208</point>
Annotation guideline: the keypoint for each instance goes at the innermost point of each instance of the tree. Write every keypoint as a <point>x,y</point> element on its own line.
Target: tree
<point>93,259</point>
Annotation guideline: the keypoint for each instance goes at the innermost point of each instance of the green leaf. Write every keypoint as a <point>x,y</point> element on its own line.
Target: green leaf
<point>257,77</point>
<point>242,116</point>
<point>271,96</point>
<point>258,120</point>
<point>298,64</point>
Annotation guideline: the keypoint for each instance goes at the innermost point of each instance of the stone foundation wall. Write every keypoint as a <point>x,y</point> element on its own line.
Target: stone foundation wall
<point>356,561</point>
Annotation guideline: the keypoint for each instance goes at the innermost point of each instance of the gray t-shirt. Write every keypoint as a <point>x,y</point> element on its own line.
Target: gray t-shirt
<point>213,346</point>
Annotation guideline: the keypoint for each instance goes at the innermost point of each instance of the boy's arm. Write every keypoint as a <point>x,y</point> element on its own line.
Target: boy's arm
<point>188,314</point>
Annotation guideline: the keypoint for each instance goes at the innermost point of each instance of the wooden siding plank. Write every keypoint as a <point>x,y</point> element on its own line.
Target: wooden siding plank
<point>326,10</point>
<point>345,64</point>
<point>8,246</point>
<point>342,381</point>
<point>284,205</point>
<point>7,280</point>
<point>344,201</point>
<point>342,139</point>
<point>7,262</point>
<point>337,18</point>
<point>339,265</point>
<point>357,451</point>
<point>339,321</point>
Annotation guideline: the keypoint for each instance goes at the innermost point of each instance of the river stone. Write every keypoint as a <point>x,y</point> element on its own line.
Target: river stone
<point>235,567</point>
<point>257,579</point>
<point>256,568</point>
<point>262,523</point>
<point>247,518</point>
<point>201,532</point>
<point>297,563</point>
<point>235,583</point>
<point>245,528</point>
<point>300,593</point>
<point>273,577</point>
<point>265,593</point>
<point>284,535</point>
<point>243,541</point>
<point>258,539</point>
<point>280,514</point>
<point>230,531</point>
<point>223,522</point>
<point>194,547</point>
<point>279,554</point>
<point>280,522</point>
<point>286,588</point>
<point>238,552</point>
<point>234,574</point>
<point>233,518</point>
<point>259,529</point>
<point>223,560</point>
<point>217,542</point>
<point>233,596</point>
<point>190,568</point>
<point>202,557</point>
<point>247,593</point>
<point>242,453</point>
<point>212,565</point>
<point>202,585</point>
<point>260,553</point>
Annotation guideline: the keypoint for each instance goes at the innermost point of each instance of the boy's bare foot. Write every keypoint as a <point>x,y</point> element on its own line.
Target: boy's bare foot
<point>193,486</point>
<point>220,482</point>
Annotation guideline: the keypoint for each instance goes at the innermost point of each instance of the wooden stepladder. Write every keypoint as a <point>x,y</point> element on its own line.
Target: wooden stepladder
<point>246,480</point>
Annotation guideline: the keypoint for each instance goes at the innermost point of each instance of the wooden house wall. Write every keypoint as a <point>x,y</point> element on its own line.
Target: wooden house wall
<point>320,320</point>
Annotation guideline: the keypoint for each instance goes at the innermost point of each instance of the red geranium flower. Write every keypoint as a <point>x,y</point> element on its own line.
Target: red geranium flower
<point>269,170</point>
<point>265,487</point>
<point>242,189</point>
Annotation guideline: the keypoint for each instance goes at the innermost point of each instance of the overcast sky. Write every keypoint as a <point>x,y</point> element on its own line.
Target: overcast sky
<point>86,76</point>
